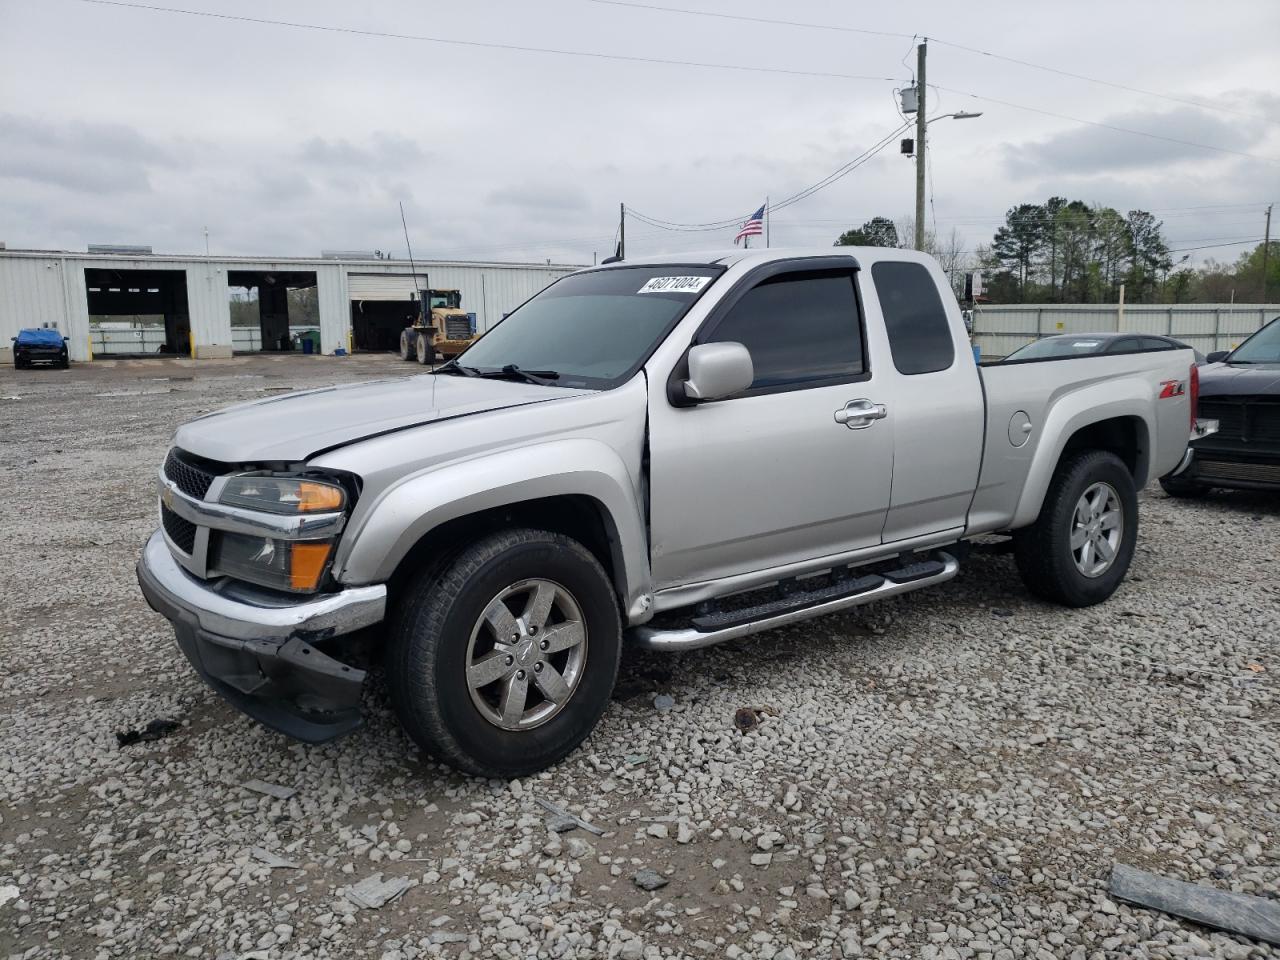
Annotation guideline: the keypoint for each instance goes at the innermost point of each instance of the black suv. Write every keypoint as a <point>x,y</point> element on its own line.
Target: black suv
<point>1241,390</point>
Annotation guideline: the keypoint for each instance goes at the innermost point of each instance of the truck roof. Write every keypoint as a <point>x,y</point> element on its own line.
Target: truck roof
<point>729,257</point>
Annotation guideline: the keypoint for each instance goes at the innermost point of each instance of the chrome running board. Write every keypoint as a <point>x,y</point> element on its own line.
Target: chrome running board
<point>690,638</point>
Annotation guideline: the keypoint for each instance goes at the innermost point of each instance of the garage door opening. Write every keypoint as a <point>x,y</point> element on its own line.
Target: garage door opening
<point>274,311</point>
<point>138,313</point>
<point>382,305</point>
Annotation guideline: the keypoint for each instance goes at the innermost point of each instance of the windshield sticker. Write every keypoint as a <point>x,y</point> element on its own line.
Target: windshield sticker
<point>675,285</point>
<point>1085,343</point>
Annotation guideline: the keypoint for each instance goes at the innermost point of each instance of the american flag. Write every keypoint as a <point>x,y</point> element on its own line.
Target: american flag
<point>753,227</point>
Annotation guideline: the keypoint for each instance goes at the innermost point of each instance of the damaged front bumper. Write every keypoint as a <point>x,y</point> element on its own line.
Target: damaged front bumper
<point>261,655</point>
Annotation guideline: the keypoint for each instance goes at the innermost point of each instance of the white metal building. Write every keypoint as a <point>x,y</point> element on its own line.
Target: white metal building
<point>192,295</point>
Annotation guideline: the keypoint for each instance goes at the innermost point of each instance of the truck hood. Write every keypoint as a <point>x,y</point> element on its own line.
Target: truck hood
<point>294,427</point>
<point>1239,379</point>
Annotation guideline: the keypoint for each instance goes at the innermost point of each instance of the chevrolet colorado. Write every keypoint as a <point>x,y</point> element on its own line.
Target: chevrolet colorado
<point>669,452</point>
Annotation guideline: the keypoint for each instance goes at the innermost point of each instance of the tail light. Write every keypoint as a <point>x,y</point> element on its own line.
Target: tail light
<point>1195,395</point>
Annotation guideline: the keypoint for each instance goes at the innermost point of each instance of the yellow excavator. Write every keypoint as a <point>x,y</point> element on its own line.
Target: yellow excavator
<point>441,329</point>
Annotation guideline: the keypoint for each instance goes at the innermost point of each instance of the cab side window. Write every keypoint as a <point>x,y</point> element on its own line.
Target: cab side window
<point>801,329</point>
<point>919,333</point>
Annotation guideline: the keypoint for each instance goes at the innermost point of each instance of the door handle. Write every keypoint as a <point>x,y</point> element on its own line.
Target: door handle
<point>860,414</point>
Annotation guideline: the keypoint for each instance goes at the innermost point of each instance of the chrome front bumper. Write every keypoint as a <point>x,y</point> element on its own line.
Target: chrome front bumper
<point>1199,430</point>
<point>260,654</point>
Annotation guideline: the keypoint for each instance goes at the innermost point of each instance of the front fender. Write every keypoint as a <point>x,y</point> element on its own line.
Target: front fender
<point>373,547</point>
<point>1073,412</point>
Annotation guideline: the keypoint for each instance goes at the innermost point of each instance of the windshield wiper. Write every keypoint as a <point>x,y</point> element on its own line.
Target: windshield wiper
<point>544,378</point>
<point>454,367</point>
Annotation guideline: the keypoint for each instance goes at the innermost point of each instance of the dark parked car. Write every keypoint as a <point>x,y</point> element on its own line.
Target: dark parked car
<point>1082,344</point>
<point>38,345</point>
<point>1241,390</point>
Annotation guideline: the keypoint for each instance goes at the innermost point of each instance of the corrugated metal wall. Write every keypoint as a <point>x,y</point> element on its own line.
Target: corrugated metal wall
<point>39,288</point>
<point>35,293</point>
<point>1001,329</point>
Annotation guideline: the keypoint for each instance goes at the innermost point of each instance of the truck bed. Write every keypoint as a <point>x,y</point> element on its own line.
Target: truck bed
<point>1027,400</point>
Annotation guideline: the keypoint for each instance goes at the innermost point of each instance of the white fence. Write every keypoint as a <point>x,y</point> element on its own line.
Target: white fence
<point>247,339</point>
<point>149,338</point>
<point>145,339</point>
<point>1001,329</point>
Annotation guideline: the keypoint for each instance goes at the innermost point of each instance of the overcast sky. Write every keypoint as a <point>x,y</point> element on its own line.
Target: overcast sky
<point>121,125</point>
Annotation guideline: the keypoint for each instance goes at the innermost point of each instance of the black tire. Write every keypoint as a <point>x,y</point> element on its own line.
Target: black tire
<point>426,351</point>
<point>408,344</point>
<point>1182,488</point>
<point>1043,550</point>
<point>66,362</point>
<point>427,653</point>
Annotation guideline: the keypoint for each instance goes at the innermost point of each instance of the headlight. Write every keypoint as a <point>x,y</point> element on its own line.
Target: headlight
<point>294,565</point>
<point>284,495</point>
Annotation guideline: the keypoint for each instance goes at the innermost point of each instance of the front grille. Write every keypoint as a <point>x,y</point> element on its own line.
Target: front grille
<point>1251,419</point>
<point>457,328</point>
<point>1224,470</point>
<point>181,532</point>
<point>1228,413</point>
<point>1264,423</point>
<point>192,479</point>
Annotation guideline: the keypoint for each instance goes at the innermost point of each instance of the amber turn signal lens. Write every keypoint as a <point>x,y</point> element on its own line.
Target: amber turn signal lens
<point>306,563</point>
<point>316,497</point>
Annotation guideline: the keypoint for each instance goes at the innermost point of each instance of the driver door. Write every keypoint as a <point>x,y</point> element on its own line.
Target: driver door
<point>771,476</point>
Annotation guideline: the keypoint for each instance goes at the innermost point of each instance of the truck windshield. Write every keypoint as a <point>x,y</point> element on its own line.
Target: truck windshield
<point>592,329</point>
<point>1066,346</point>
<point>1262,347</point>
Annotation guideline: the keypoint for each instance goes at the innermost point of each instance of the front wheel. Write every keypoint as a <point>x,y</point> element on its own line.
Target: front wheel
<point>1079,549</point>
<point>426,350</point>
<point>502,661</point>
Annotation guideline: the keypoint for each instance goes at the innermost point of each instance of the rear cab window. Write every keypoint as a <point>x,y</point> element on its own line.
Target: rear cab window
<point>920,337</point>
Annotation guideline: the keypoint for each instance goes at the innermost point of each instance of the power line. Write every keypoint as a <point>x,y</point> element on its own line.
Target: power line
<point>1210,246</point>
<point>1106,126</point>
<point>1186,101</point>
<point>508,47</point>
<point>838,174</point>
<point>949,43</point>
<point>746,19</point>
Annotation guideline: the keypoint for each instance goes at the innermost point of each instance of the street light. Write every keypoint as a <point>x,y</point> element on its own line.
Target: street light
<point>921,126</point>
<point>958,115</point>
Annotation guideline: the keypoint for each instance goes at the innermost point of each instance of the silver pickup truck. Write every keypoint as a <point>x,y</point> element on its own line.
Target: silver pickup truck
<point>668,453</point>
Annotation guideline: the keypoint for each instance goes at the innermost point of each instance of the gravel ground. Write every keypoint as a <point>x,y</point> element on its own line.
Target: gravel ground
<point>949,774</point>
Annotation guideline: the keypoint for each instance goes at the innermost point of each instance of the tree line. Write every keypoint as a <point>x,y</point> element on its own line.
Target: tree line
<point>1069,251</point>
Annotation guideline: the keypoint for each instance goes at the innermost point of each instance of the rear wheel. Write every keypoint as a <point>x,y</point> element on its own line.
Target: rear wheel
<point>408,344</point>
<point>502,661</point>
<point>426,351</point>
<point>1182,488</point>
<point>1079,549</point>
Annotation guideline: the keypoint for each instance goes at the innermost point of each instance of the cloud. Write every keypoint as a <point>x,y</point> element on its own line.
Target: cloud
<point>79,156</point>
<point>378,153</point>
<point>1087,150</point>
<point>541,197</point>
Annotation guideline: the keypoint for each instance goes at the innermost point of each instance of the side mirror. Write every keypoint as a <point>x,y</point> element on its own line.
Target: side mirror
<point>718,370</point>
<point>1217,356</point>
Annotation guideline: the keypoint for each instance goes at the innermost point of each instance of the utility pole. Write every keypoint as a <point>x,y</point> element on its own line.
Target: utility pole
<point>622,231</point>
<point>1266,250</point>
<point>921,123</point>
